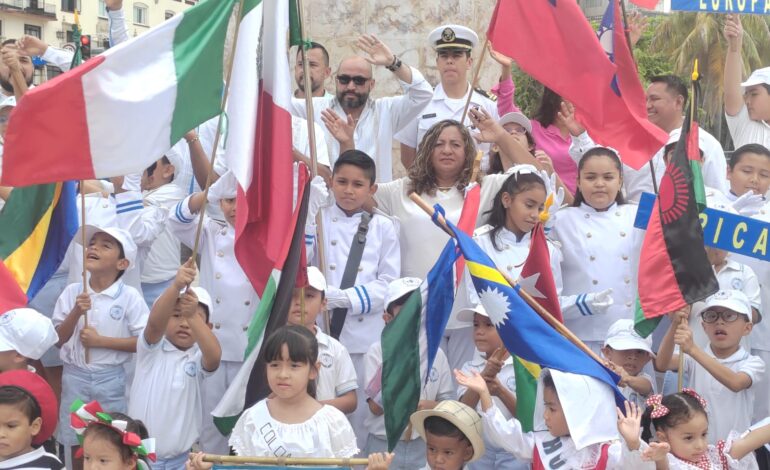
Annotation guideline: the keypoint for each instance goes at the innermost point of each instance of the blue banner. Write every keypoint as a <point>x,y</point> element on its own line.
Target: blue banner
<point>757,7</point>
<point>722,230</point>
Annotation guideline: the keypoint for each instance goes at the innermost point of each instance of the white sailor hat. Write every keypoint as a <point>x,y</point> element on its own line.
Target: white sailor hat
<point>453,36</point>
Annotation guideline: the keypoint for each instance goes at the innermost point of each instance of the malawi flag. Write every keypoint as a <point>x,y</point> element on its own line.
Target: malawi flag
<point>673,268</point>
<point>36,227</point>
<point>121,110</point>
<point>524,333</point>
<point>537,280</point>
<point>410,343</point>
<point>269,233</point>
<point>554,43</point>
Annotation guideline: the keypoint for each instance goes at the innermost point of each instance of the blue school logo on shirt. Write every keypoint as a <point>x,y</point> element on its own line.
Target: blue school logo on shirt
<point>116,312</point>
<point>326,360</point>
<point>433,376</point>
<point>737,284</point>
<point>191,369</point>
<point>511,383</point>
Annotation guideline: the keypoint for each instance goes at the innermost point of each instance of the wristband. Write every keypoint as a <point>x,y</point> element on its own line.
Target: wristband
<point>193,140</point>
<point>395,65</point>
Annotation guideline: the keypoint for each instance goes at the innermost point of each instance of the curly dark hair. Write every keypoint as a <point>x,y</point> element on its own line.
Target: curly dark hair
<point>422,176</point>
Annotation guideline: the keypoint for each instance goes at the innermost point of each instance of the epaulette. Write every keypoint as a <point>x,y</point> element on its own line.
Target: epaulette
<point>483,230</point>
<point>485,94</point>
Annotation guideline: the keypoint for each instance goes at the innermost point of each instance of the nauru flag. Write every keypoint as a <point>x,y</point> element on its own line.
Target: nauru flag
<point>121,110</point>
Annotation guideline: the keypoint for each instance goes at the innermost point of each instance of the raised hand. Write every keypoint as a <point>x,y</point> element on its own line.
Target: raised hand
<point>341,129</point>
<point>501,59</point>
<point>733,32</point>
<point>489,130</point>
<point>566,117</point>
<point>30,45</point>
<point>378,52</point>
<point>637,23</point>
<point>473,382</point>
<point>629,425</point>
<point>185,275</point>
<point>656,452</point>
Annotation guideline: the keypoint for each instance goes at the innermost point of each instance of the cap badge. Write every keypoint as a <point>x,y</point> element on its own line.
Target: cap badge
<point>448,35</point>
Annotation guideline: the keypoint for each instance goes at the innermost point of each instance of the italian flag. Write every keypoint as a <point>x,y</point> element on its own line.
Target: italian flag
<point>120,111</point>
<point>269,242</point>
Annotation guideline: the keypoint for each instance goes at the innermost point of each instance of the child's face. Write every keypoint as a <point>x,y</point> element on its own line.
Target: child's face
<point>287,378</point>
<point>351,188</point>
<point>524,209</point>
<point>485,335</point>
<point>599,181</point>
<point>725,337</point>
<point>16,431</point>
<point>447,452</point>
<point>314,304</point>
<point>632,360</point>
<point>178,330</point>
<point>751,173</point>
<point>103,254</point>
<point>12,360</point>
<point>688,440</point>
<point>553,414</point>
<point>101,454</point>
<point>228,209</point>
<point>162,174</point>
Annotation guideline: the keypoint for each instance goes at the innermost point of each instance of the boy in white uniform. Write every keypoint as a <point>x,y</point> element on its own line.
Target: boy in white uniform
<point>628,353</point>
<point>95,352</point>
<point>234,299</point>
<point>175,352</point>
<point>337,382</point>
<point>355,309</point>
<point>410,451</point>
<point>25,335</point>
<point>723,372</point>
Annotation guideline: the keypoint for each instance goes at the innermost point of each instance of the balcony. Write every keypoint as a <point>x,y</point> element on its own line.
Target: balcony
<point>30,7</point>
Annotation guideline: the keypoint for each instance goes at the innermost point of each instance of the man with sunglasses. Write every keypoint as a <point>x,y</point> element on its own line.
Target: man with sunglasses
<point>371,122</point>
<point>453,45</point>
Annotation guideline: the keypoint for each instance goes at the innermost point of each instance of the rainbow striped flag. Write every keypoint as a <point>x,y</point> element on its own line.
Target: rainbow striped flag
<point>37,224</point>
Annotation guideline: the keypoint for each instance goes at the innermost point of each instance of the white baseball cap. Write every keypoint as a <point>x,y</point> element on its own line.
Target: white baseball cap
<point>517,118</point>
<point>316,280</point>
<point>453,36</point>
<point>400,287</point>
<point>621,337</point>
<point>122,236</point>
<point>758,77</point>
<point>27,332</point>
<point>734,300</point>
<point>226,187</point>
<point>466,314</point>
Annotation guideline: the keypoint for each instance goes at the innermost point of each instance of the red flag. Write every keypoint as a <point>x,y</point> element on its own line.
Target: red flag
<point>648,4</point>
<point>536,276</point>
<point>467,223</point>
<point>553,42</point>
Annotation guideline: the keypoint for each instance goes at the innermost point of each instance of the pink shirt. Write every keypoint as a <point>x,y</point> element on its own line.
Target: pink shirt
<point>548,139</point>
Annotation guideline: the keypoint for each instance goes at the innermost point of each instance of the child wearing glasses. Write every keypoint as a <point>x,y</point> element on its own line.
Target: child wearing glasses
<point>723,372</point>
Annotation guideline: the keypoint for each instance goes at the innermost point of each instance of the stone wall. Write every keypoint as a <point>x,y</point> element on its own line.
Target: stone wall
<point>404,26</point>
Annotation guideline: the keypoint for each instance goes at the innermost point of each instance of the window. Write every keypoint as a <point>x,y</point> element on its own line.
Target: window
<point>140,14</point>
<point>102,9</point>
<point>169,14</point>
<point>70,5</point>
<point>33,30</point>
<point>70,37</point>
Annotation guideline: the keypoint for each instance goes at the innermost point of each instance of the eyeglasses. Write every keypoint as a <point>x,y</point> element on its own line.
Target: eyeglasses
<point>517,130</point>
<point>358,79</point>
<point>711,316</point>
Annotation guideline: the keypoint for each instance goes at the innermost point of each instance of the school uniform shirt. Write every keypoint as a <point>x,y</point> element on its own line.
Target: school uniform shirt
<point>439,386</point>
<point>235,300</point>
<point>745,130</point>
<point>118,311</point>
<point>442,107</point>
<point>600,251</point>
<point>380,119</point>
<point>635,397</point>
<point>168,396</point>
<point>506,376</point>
<point>37,459</point>
<point>420,240</point>
<point>336,375</point>
<point>727,410</point>
<point>380,264</point>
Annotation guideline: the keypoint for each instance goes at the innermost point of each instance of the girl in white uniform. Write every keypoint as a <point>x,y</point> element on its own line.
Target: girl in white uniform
<point>600,249</point>
<point>681,427</point>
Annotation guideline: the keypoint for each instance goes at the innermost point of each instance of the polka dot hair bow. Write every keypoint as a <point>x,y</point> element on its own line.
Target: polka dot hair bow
<point>694,394</point>
<point>658,409</point>
<point>84,414</point>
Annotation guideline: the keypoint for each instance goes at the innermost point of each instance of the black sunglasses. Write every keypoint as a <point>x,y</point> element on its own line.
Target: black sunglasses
<point>358,80</point>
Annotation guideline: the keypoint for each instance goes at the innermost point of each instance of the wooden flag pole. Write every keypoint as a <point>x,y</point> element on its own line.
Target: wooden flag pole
<point>84,243</point>
<point>556,324</point>
<point>241,459</point>
<point>312,142</point>
<point>225,93</point>
<point>475,81</point>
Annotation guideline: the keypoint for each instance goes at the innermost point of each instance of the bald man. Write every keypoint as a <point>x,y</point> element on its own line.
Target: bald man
<point>373,122</point>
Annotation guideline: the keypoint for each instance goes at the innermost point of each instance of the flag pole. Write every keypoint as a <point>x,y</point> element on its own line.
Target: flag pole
<point>281,461</point>
<point>83,242</point>
<point>304,43</point>
<point>631,50</point>
<point>475,81</point>
<point>225,93</point>
<point>556,324</point>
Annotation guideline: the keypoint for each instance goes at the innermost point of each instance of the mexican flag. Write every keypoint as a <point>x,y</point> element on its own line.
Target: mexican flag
<point>269,232</point>
<point>120,111</point>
